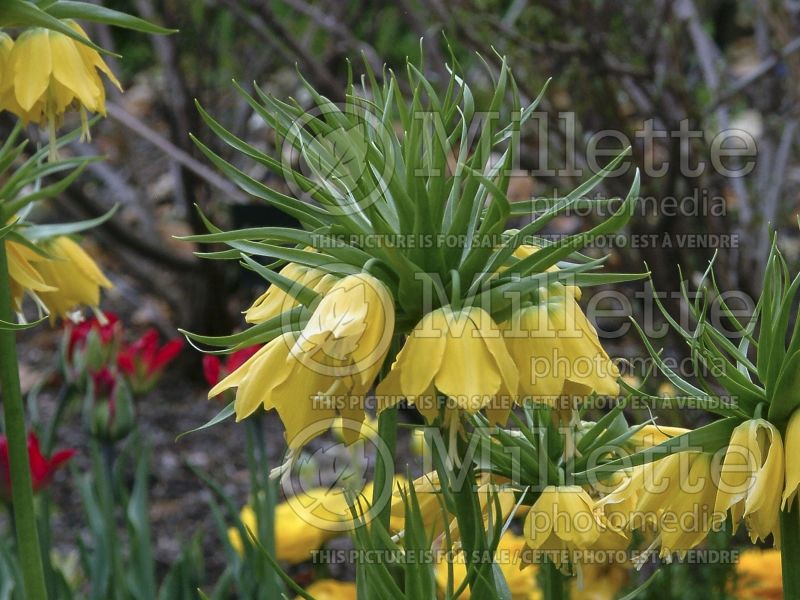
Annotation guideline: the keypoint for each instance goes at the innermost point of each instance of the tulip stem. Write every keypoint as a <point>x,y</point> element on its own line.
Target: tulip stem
<point>790,550</point>
<point>16,434</point>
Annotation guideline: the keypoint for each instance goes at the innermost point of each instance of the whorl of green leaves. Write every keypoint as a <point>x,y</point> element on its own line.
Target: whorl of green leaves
<point>756,376</point>
<point>759,374</point>
<point>398,162</point>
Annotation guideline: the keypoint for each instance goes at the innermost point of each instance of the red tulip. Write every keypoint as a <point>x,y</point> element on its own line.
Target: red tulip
<point>78,333</point>
<point>42,468</point>
<point>90,345</point>
<point>112,414</point>
<point>144,360</point>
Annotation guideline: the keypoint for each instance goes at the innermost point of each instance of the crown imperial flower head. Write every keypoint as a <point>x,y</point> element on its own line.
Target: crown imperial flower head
<point>45,73</point>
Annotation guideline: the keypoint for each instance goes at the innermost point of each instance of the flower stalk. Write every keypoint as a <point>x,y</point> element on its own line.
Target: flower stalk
<point>553,582</point>
<point>387,433</point>
<point>790,550</point>
<point>21,483</point>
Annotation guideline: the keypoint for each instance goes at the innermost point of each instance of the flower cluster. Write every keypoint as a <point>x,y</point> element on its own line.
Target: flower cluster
<point>45,73</point>
<point>99,361</point>
<point>486,339</point>
<point>57,273</point>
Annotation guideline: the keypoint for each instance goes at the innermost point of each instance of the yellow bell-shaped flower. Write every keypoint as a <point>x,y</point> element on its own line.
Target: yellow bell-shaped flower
<point>751,478</point>
<point>324,371</point>
<point>676,496</point>
<point>562,521</point>
<point>459,354</point>
<point>553,343</point>
<point>350,330</point>
<point>47,72</point>
<point>275,300</point>
<point>74,276</point>
<point>274,379</point>
<point>23,272</point>
<point>298,533</point>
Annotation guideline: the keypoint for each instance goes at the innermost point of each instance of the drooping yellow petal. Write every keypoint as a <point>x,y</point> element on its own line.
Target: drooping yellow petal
<point>752,477</point>
<point>74,274</point>
<point>71,72</point>
<point>306,402</point>
<point>535,349</point>
<point>65,246</point>
<point>350,329</point>
<point>93,59</point>
<point>32,63</point>
<point>22,270</point>
<point>235,379</point>
<point>421,357</point>
<point>468,373</point>
<point>261,376</point>
<point>690,514</point>
<point>762,507</point>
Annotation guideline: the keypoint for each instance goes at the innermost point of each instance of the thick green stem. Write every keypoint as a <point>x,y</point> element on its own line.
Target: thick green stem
<point>104,480</point>
<point>473,537</point>
<point>264,492</point>
<point>553,582</point>
<point>14,413</point>
<point>790,550</point>
<point>384,473</point>
<point>462,490</point>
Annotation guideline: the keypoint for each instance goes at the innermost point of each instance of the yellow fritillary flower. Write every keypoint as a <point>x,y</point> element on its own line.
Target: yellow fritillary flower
<point>459,354</point>
<point>323,371</point>
<point>677,496</point>
<point>751,479</point>
<point>295,537</point>
<point>46,73</point>
<point>74,276</point>
<point>563,520</point>
<point>553,343</point>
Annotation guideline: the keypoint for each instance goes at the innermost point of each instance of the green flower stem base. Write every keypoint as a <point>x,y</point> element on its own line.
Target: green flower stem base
<point>790,550</point>
<point>473,538</point>
<point>387,434</point>
<point>553,582</point>
<point>14,413</point>
<point>461,488</point>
